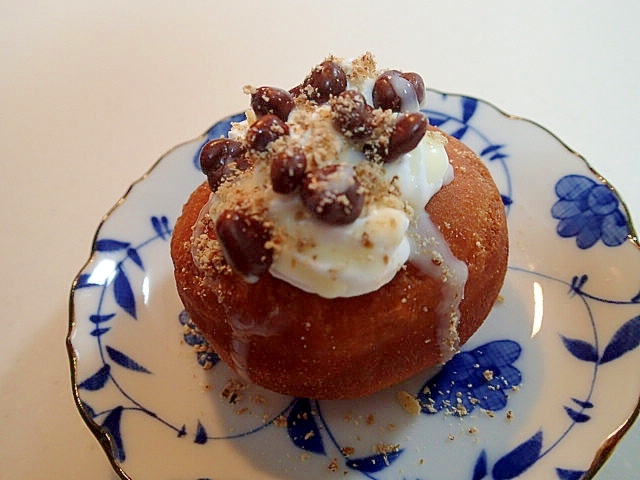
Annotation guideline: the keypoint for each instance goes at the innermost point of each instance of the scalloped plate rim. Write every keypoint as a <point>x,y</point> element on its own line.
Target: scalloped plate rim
<point>105,438</point>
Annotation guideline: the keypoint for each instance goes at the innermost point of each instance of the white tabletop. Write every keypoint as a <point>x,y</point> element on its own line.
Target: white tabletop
<point>92,93</point>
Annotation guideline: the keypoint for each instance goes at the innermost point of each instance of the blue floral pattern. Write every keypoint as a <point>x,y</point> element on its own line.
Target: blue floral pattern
<point>207,358</point>
<point>118,281</point>
<point>482,377</point>
<point>459,125</point>
<point>589,211</point>
<point>624,340</point>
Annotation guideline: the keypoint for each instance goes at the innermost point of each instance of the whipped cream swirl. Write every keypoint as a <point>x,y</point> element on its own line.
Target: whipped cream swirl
<point>346,260</point>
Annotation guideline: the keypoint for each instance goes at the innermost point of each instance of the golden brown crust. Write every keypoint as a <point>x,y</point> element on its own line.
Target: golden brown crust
<point>301,344</point>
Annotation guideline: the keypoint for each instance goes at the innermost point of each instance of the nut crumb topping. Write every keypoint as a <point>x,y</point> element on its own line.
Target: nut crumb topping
<point>409,403</point>
<point>232,390</point>
<point>385,448</point>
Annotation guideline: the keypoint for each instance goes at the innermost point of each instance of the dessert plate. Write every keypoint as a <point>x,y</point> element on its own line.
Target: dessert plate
<point>541,390</point>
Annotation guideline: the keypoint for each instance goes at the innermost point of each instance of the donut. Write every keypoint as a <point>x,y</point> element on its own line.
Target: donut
<point>350,334</point>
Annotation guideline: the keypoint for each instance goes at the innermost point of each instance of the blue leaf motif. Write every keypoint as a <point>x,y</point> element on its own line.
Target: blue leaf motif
<point>98,319</point>
<point>108,245</point>
<point>165,223</point>
<point>98,332</point>
<point>460,132</point>
<point>636,299</point>
<point>302,428</point>
<point>133,254</point>
<point>125,361</point>
<point>90,412</point>
<point>569,474</point>
<point>625,339</point>
<point>469,106</point>
<point>182,432</point>
<point>582,403</point>
<point>83,281</point>
<point>112,425</point>
<point>507,200</point>
<point>498,156</point>
<point>161,226</point>
<point>578,282</point>
<point>580,349</point>
<point>374,463</point>
<point>123,293</point>
<point>97,380</point>
<point>201,434</point>
<point>576,416</point>
<point>490,149</point>
<point>519,459</point>
<point>437,121</point>
<point>480,469</point>
<point>157,226</point>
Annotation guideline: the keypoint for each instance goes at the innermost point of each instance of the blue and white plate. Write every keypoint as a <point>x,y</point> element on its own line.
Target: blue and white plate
<point>543,390</point>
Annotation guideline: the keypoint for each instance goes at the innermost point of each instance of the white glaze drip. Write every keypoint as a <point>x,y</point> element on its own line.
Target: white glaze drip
<point>244,328</point>
<point>406,92</point>
<point>431,254</point>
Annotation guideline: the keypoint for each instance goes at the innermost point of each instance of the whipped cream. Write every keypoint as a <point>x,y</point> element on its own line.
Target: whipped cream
<point>359,257</point>
<point>350,260</point>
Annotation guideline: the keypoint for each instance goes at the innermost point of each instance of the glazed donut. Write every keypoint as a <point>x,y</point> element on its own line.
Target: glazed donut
<point>278,334</point>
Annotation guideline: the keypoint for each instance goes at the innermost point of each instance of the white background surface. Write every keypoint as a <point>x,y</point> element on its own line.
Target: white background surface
<point>92,93</point>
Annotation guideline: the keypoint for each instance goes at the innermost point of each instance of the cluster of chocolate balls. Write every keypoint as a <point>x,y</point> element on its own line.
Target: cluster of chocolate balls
<point>332,193</point>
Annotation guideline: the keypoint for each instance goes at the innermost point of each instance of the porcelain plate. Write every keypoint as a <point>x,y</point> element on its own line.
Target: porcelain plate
<point>540,391</point>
